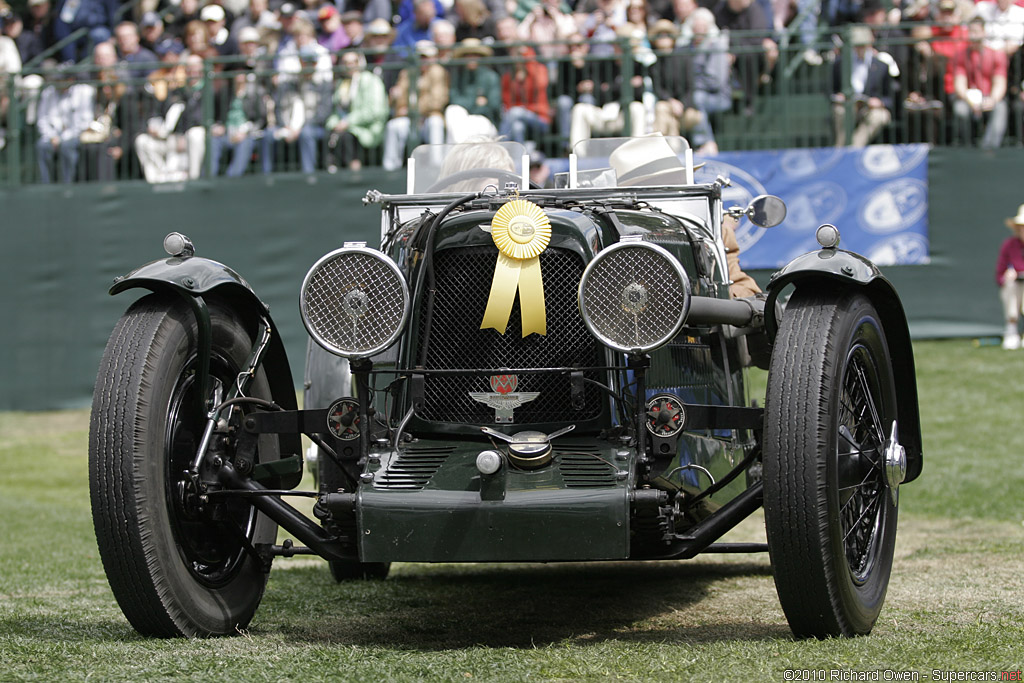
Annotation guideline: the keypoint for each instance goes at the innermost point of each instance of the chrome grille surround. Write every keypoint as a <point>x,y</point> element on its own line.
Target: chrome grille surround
<point>634,296</point>
<point>354,302</point>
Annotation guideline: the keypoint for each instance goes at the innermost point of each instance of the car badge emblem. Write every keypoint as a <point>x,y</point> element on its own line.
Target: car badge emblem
<point>503,397</point>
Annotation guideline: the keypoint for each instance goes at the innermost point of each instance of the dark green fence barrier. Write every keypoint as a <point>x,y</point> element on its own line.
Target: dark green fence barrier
<point>63,246</point>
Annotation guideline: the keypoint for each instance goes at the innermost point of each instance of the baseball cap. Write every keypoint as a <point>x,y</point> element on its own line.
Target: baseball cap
<point>249,34</point>
<point>326,12</point>
<point>212,13</point>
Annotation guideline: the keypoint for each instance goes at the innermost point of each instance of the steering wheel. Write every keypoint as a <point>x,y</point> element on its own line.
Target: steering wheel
<point>502,176</point>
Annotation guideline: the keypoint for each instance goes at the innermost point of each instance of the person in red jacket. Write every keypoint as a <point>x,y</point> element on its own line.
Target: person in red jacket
<point>525,96</point>
<point>1010,278</point>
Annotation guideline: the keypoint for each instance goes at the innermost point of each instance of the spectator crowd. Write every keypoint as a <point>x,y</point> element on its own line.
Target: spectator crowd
<point>174,89</point>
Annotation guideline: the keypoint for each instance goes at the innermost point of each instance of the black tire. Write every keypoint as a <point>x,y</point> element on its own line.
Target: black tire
<point>329,378</point>
<point>173,572</point>
<point>829,514</point>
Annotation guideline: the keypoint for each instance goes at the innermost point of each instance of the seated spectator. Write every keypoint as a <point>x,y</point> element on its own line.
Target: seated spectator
<point>873,86</point>
<point>138,62</point>
<point>710,71</point>
<point>65,111</point>
<point>352,23</point>
<point>359,116</point>
<point>601,26</point>
<point>432,99</point>
<point>473,20</point>
<point>102,141</point>
<point>442,35</point>
<point>671,82</point>
<point>417,27</point>
<point>28,44</point>
<point>575,77</point>
<point>934,51</point>
<point>524,91</point>
<point>177,19</point>
<point>331,35</point>
<point>244,125</point>
<point>174,144</point>
<point>257,16</point>
<point>303,106</point>
<point>1004,31</point>
<point>549,25</point>
<point>154,37</point>
<point>407,10</point>
<point>785,12</point>
<point>10,63</point>
<point>288,61</point>
<point>196,38</point>
<point>96,16</point>
<point>216,25</point>
<point>475,94</point>
<point>754,56</point>
<point>39,22</point>
<point>370,10</point>
<point>979,88</point>
<point>380,58</point>
<point>605,116</point>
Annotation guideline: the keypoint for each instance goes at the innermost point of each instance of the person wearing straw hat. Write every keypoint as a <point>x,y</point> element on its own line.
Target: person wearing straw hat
<point>651,160</point>
<point>1010,278</point>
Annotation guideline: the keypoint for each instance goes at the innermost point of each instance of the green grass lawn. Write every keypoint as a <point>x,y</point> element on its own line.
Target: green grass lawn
<point>955,600</point>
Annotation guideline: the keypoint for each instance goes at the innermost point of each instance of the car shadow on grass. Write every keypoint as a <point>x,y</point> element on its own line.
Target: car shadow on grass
<point>441,607</point>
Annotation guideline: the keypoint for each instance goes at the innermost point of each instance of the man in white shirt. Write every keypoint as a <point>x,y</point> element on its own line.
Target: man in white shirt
<point>1004,25</point>
<point>65,110</point>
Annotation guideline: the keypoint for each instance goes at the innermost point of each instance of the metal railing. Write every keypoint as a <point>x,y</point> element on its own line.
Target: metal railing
<point>785,106</point>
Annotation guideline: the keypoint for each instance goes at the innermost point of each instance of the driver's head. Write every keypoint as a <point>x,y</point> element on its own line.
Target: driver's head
<point>481,151</point>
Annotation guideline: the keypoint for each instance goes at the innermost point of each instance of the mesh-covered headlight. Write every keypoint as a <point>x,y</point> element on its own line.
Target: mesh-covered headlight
<point>634,296</point>
<point>354,302</point>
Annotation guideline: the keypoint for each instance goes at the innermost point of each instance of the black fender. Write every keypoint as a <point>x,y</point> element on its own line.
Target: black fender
<point>195,278</point>
<point>841,269</point>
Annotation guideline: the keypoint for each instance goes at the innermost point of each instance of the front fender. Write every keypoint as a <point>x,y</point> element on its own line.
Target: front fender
<point>845,269</point>
<point>193,278</point>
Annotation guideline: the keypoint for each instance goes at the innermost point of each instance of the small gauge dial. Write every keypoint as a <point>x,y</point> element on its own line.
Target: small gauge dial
<point>666,415</point>
<point>343,419</point>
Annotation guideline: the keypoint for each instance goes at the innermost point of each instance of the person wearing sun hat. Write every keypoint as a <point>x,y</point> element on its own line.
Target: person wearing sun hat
<point>1010,278</point>
<point>654,160</point>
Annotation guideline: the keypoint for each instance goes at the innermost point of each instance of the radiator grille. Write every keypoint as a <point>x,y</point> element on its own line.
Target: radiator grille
<point>463,277</point>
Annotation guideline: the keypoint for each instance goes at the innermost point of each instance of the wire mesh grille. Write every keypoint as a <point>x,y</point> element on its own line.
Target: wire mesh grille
<point>354,302</point>
<point>463,284</point>
<point>634,297</point>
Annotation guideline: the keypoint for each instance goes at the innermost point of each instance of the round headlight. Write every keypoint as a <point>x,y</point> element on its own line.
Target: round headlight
<point>634,296</point>
<point>354,302</point>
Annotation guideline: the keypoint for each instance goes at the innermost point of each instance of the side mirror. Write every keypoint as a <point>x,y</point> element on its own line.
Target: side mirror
<point>766,211</point>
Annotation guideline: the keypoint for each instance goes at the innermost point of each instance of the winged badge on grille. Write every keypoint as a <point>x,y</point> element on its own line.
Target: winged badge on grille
<point>503,397</point>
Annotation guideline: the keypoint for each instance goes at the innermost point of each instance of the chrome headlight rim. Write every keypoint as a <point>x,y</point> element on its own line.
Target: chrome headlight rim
<point>676,266</point>
<point>399,328</point>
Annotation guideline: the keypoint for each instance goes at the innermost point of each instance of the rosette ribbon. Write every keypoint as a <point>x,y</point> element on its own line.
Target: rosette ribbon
<point>521,231</point>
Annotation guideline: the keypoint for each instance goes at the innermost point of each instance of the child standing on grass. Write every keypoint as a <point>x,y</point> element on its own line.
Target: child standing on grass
<point>1010,278</point>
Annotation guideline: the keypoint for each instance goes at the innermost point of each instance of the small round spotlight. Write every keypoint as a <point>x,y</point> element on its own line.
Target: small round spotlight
<point>827,236</point>
<point>488,462</point>
<point>178,245</point>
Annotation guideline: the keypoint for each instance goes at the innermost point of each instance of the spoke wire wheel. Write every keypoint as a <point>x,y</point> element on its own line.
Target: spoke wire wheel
<point>173,571</point>
<point>829,514</point>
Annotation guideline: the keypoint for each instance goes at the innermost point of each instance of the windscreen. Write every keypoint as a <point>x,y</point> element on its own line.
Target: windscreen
<point>466,167</point>
<point>652,160</point>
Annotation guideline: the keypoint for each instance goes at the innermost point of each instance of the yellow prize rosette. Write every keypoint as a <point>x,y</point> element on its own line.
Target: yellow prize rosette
<point>521,231</point>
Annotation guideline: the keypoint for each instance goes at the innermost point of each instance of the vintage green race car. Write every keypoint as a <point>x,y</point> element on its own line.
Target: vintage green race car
<point>515,375</point>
